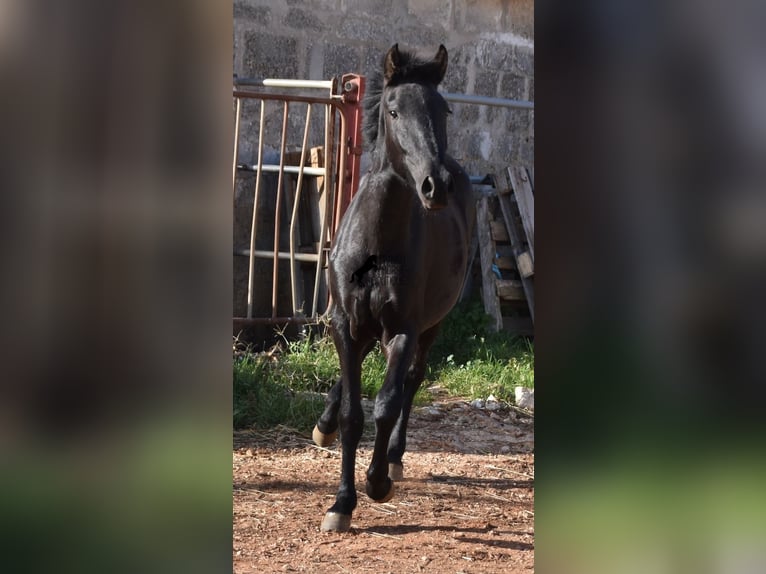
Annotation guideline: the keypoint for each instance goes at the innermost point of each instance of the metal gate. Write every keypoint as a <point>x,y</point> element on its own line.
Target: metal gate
<point>333,175</point>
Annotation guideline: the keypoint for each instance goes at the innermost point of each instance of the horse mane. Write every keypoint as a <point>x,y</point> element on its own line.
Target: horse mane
<point>411,69</point>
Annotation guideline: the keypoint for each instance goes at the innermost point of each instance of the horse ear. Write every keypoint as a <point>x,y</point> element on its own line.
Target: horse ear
<point>441,62</point>
<point>391,62</point>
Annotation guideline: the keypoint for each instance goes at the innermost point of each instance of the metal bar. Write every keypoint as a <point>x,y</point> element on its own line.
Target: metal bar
<point>328,205</point>
<point>236,148</point>
<point>278,210</point>
<point>296,201</point>
<point>262,253</point>
<point>488,101</point>
<point>281,98</point>
<point>353,88</point>
<point>300,320</point>
<point>288,169</point>
<point>284,83</point>
<point>253,225</point>
<point>343,197</point>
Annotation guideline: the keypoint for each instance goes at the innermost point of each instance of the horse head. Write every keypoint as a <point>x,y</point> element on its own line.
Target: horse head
<point>413,120</point>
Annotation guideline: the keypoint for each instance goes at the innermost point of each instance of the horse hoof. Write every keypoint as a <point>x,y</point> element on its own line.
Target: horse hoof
<point>321,439</point>
<point>336,522</point>
<point>386,497</point>
<point>396,472</point>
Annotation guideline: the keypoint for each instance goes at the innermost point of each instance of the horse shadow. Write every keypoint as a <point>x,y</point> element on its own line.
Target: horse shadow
<point>404,529</point>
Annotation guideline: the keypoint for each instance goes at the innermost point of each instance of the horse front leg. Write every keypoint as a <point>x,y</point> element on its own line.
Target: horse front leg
<point>398,441</point>
<point>351,353</point>
<point>388,405</point>
<point>326,428</point>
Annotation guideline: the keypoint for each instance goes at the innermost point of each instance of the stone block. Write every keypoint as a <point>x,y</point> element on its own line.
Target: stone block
<point>269,56</point>
<point>485,83</point>
<point>495,116</point>
<point>463,55</point>
<point>456,79</point>
<point>512,86</point>
<point>372,59</point>
<point>493,55</point>
<point>246,11</point>
<point>325,5</point>
<point>341,59</point>
<point>438,12</point>
<point>480,144</point>
<point>367,30</point>
<point>303,20</point>
<point>518,120</point>
<point>524,60</point>
<point>368,7</point>
<point>467,113</point>
<point>424,40</point>
<point>480,15</point>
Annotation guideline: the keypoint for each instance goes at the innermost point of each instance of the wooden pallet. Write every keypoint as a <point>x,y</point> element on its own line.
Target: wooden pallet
<point>505,237</point>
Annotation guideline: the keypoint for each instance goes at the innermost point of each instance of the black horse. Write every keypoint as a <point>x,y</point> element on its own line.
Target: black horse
<point>396,267</point>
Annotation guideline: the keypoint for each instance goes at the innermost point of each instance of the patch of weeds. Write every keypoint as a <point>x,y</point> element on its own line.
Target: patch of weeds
<point>284,386</point>
<point>470,361</point>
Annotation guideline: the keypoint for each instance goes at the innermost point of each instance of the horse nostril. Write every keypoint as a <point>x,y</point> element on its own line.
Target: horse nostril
<point>428,187</point>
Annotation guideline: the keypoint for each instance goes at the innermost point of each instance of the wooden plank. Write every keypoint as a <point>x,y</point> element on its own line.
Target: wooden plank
<point>505,263</point>
<point>510,289</point>
<point>525,265</point>
<point>317,210</point>
<point>289,192</point>
<point>499,233</point>
<point>518,250</point>
<point>519,325</point>
<point>317,160</point>
<point>522,189</point>
<point>487,255</point>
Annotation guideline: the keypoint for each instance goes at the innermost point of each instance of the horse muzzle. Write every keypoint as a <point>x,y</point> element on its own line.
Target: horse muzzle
<point>433,193</point>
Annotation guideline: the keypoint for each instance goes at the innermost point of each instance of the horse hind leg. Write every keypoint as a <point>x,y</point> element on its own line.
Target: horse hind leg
<point>326,428</point>
<point>415,375</point>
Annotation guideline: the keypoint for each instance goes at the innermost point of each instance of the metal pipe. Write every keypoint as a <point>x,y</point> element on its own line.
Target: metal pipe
<point>236,148</point>
<point>343,197</point>
<point>328,205</point>
<point>253,225</point>
<point>262,253</point>
<point>284,83</point>
<point>288,169</point>
<point>488,101</point>
<point>296,201</point>
<point>300,320</point>
<point>278,210</point>
<point>281,97</point>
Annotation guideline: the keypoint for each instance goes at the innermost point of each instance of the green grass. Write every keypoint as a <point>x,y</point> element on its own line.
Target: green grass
<point>282,387</point>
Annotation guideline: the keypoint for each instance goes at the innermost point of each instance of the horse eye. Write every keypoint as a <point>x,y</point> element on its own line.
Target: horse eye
<point>393,114</point>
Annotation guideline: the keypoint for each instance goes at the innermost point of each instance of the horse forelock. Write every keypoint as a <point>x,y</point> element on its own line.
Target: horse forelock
<point>411,69</point>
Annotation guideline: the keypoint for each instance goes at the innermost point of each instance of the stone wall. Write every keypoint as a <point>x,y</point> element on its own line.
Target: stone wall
<point>490,44</point>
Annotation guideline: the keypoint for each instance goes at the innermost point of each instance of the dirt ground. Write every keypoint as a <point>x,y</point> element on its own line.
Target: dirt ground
<point>466,505</point>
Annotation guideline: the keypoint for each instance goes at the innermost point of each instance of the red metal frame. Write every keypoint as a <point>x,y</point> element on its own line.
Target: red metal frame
<point>348,104</point>
<point>353,91</point>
